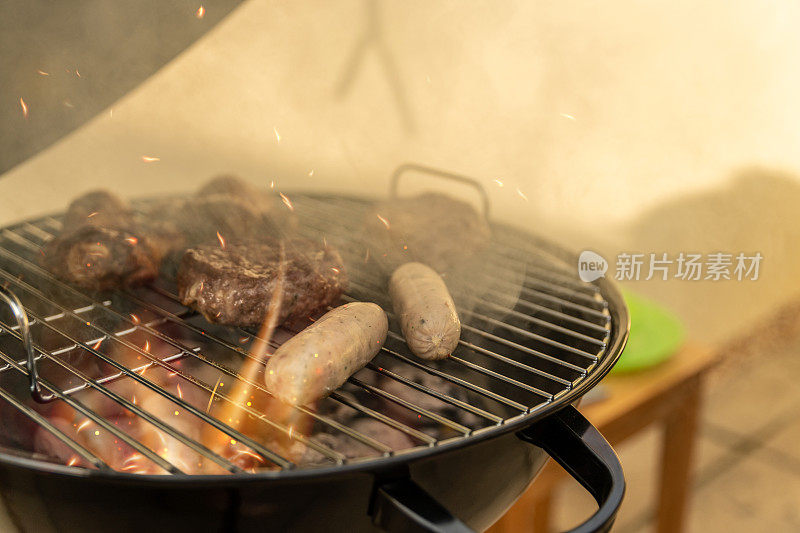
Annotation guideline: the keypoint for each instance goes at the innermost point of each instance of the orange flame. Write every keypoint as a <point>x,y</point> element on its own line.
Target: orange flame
<point>221,240</point>
<point>96,345</point>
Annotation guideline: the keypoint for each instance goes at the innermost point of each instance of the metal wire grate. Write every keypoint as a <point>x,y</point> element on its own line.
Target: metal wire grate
<point>116,363</point>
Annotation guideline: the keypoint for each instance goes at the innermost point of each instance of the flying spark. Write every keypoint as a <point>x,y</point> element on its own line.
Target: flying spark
<point>200,13</point>
<point>24,107</point>
<point>213,392</point>
<point>522,195</point>
<point>286,201</point>
<point>570,117</point>
<point>384,220</point>
<point>77,73</point>
<point>83,425</point>
<point>272,184</point>
<point>73,460</point>
<point>42,73</point>
<point>180,392</point>
<point>96,345</point>
<point>221,240</point>
<point>146,348</point>
<point>277,135</point>
<point>150,159</point>
<point>135,319</point>
<point>311,173</point>
<point>132,240</point>
<point>498,182</point>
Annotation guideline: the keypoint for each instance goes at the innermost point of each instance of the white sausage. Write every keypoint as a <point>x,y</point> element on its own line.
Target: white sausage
<point>320,358</point>
<point>426,311</point>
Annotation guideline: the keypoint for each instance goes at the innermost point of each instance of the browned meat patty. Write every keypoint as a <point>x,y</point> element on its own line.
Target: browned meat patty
<point>100,258</point>
<point>431,228</point>
<point>234,285</point>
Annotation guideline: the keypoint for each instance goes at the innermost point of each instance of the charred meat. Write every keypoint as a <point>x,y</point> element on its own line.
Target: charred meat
<point>101,258</point>
<point>234,285</point>
<point>101,245</point>
<point>431,228</point>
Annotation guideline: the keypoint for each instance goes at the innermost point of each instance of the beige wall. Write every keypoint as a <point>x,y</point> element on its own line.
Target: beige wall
<point>623,124</point>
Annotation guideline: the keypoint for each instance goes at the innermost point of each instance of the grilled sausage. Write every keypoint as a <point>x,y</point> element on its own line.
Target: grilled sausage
<point>425,310</point>
<point>320,358</point>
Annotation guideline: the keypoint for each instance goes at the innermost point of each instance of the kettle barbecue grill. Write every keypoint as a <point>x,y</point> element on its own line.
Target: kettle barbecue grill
<point>482,422</point>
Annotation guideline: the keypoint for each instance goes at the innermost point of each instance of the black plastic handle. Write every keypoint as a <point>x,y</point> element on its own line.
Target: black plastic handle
<point>582,451</point>
<point>574,443</point>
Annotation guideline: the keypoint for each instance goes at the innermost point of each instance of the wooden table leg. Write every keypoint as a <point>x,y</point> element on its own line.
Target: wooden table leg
<point>680,429</point>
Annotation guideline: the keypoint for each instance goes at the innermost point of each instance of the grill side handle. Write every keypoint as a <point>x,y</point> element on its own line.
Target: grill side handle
<point>18,310</point>
<point>570,439</point>
<point>584,453</point>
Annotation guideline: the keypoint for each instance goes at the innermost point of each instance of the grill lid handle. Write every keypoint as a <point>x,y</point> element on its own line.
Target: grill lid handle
<point>581,450</point>
<point>472,182</point>
<point>570,439</point>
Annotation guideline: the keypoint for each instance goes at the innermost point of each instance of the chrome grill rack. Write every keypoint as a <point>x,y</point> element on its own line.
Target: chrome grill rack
<point>532,333</point>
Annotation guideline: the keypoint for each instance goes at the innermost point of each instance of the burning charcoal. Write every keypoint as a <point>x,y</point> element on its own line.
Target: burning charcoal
<point>352,448</point>
<point>424,400</point>
<point>234,285</point>
<point>101,258</point>
<point>434,229</point>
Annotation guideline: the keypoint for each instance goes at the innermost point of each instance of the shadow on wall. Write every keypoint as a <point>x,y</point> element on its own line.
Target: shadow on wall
<point>758,211</point>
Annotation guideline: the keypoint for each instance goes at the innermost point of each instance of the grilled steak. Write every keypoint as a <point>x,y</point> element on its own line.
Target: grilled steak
<point>234,285</point>
<point>433,229</point>
<point>102,246</point>
<point>100,258</point>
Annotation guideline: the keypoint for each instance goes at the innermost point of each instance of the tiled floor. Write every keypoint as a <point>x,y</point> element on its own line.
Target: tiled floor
<point>747,468</point>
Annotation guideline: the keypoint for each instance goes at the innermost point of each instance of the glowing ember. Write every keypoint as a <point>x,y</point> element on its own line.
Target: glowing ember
<point>277,135</point>
<point>221,240</point>
<point>132,240</point>
<point>24,107</point>
<point>135,319</point>
<point>286,201</point>
<point>72,460</point>
<point>83,425</point>
<point>150,159</point>
<point>200,13</point>
<point>180,392</point>
<point>522,195</point>
<point>146,348</point>
<point>96,345</point>
<point>384,220</point>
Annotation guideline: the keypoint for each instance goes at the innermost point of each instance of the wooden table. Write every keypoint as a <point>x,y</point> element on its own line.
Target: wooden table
<point>668,394</point>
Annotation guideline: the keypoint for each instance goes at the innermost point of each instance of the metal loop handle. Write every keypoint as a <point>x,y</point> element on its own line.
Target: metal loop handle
<point>24,329</point>
<point>472,182</point>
